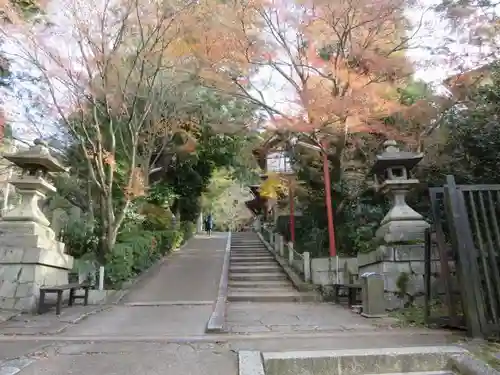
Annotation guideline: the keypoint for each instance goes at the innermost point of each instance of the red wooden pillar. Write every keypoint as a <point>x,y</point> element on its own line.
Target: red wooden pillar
<point>328,201</point>
<point>292,213</point>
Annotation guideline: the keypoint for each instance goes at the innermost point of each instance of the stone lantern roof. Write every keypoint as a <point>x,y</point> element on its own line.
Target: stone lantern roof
<point>394,157</point>
<point>37,157</point>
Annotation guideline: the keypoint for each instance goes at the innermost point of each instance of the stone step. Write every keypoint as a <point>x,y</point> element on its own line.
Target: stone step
<point>246,244</point>
<point>249,253</point>
<point>253,259</point>
<point>268,276</point>
<point>267,297</point>
<point>259,284</point>
<point>249,248</point>
<point>255,269</point>
<point>264,290</point>
<point>255,265</point>
<point>245,249</point>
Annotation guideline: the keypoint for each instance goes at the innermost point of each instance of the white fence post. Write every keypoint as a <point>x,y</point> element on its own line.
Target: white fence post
<point>307,266</point>
<point>271,237</point>
<point>101,278</point>
<point>290,253</point>
<point>276,242</point>
<point>281,246</point>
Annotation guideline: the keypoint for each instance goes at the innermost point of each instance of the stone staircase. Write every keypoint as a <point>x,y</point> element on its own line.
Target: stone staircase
<point>255,276</point>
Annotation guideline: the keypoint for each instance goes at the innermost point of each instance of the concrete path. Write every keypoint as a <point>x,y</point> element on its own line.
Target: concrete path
<point>191,274</point>
<point>176,300</point>
<point>158,328</point>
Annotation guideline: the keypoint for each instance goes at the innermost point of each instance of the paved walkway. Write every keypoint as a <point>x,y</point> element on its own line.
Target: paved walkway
<point>158,328</point>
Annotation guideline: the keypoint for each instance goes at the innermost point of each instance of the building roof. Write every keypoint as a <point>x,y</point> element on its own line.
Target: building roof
<point>467,78</point>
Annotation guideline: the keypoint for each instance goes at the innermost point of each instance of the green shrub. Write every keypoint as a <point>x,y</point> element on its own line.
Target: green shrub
<point>169,240</point>
<point>156,217</point>
<point>136,252</point>
<point>145,249</point>
<point>119,265</point>
<point>187,228</point>
<point>80,238</point>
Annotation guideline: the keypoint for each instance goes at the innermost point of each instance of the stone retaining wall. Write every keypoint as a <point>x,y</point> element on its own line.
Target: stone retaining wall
<point>402,267</point>
<point>324,270</point>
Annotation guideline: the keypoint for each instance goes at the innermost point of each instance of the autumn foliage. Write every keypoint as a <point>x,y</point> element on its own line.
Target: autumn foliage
<point>322,68</point>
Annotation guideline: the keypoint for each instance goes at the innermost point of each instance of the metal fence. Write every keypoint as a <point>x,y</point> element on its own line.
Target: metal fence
<point>467,232</point>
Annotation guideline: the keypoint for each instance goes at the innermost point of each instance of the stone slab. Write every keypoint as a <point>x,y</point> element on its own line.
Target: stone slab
<point>138,359</point>
<point>250,363</point>
<point>144,320</point>
<point>16,349</point>
<point>48,323</point>
<point>244,318</point>
<point>358,362</point>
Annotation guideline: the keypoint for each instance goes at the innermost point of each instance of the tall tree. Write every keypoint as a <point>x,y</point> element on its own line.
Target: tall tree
<point>336,65</point>
<point>473,26</point>
<point>110,94</point>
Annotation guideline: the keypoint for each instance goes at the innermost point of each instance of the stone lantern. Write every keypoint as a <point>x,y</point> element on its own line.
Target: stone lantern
<point>30,255</point>
<point>392,177</point>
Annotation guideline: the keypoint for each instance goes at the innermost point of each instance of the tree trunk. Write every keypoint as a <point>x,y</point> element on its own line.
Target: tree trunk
<point>103,230</point>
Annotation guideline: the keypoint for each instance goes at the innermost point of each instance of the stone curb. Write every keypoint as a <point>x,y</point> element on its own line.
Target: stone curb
<point>226,337</point>
<point>253,362</point>
<point>250,362</point>
<point>296,280</point>
<point>217,321</point>
<point>466,364</point>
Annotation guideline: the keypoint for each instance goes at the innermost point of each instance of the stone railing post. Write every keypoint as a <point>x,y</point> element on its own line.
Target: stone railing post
<point>281,247</point>
<point>307,266</point>
<point>271,237</point>
<point>290,253</point>
<point>277,238</point>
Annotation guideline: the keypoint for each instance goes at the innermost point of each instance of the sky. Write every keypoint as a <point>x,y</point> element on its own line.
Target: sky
<point>20,109</point>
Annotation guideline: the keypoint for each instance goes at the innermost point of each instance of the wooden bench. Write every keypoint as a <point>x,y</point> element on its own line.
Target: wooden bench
<point>59,289</point>
<point>352,293</point>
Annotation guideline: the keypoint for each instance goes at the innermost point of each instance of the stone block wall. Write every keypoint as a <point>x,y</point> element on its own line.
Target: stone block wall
<point>24,269</point>
<point>324,270</point>
<point>20,284</point>
<point>403,269</point>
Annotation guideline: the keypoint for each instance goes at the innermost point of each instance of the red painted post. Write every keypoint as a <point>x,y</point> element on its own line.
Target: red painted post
<point>328,199</point>
<point>292,214</point>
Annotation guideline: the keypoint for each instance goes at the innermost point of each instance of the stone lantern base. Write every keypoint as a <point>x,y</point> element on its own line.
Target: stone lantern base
<point>30,257</point>
<point>402,231</point>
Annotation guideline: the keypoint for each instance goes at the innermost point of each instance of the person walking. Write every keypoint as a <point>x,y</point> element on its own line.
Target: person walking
<point>209,224</point>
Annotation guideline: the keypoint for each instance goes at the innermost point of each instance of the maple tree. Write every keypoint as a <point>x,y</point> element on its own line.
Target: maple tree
<point>338,66</point>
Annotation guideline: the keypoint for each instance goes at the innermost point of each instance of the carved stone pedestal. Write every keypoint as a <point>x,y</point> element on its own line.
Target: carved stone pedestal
<point>29,258</point>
